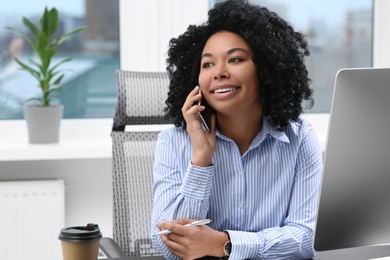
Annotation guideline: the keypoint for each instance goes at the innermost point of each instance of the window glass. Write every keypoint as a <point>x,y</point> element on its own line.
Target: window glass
<point>89,85</point>
<point>339,34</point>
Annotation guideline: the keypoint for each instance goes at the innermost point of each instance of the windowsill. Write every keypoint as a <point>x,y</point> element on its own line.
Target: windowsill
<point>86,139</point>
<point>79,139</point>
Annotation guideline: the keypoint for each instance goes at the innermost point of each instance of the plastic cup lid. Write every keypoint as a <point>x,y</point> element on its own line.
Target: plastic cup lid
<point>81,233</point>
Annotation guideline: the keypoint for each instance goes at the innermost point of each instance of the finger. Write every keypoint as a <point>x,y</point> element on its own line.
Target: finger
<point>193,97</point>
<point>191,114</point>
<point>173,246</point>
<point>194,92</point>
<point>176,228</point>
<point>184,221</point>
<point>194,109</point>
<point>170,225</point>
<point>179,244</point>
<point>167,224</point>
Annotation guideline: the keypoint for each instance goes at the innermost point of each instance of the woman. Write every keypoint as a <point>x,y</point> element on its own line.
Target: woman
<point>256,172</point>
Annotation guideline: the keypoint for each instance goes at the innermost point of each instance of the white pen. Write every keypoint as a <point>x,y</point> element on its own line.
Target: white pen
<point>195,223</point>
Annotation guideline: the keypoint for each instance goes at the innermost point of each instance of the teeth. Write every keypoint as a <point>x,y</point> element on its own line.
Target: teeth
<point>222,90</point>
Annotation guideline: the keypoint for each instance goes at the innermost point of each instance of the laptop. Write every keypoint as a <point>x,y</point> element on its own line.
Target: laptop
<point>354,208</point>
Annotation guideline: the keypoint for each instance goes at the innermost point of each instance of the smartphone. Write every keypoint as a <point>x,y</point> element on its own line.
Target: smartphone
<point>205,115</point>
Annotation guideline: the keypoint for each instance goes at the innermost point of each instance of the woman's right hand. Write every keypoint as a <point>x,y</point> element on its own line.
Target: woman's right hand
<point>203,141</point>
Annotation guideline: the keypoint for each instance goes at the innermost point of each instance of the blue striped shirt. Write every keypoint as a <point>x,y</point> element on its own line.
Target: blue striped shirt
<point>266,198</point>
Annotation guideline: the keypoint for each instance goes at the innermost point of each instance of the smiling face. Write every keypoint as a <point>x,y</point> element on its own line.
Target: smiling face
<point>228,77</point>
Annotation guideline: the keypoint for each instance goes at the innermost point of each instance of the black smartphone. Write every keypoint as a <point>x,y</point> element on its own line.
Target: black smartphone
<point>205,115</point>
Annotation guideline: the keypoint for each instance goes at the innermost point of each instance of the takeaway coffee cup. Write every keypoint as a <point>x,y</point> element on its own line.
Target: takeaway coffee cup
<point>81,242</point>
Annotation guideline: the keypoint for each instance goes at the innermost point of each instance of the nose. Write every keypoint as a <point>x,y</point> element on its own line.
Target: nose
<point>221,72</point>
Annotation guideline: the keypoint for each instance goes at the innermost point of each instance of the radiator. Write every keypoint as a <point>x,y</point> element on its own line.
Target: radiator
<point>32,214</point>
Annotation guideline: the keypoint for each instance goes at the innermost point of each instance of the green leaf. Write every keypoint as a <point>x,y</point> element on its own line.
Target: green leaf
<point>58,80</point>
<point>39,100</point>
<point>31,26</point>
<point>53,22</point>
<point>29,69</point>
<point>25,36</point>
<point>49,22</point>
<point>36,64</point>
<point>58,89</point>
<point>59,63</point>
<point>67,36</point>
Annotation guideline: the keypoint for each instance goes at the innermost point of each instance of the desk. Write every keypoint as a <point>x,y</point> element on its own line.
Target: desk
<point>356,253</point>
<point>140,258</point>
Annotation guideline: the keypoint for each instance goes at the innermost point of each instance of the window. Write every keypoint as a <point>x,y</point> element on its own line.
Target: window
<point>339,34</point>
<point>89,86</point>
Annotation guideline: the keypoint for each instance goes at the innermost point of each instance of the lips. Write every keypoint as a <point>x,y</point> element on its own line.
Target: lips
<point>224,92</point>
<point>224,89</point>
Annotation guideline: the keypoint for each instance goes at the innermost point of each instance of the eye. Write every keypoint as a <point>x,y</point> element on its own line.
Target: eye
<point>206,65</point>
<point>235,60</point>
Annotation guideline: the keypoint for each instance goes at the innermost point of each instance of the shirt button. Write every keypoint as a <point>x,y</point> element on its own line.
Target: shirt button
<point>199,183</point>
<point>240,173</point>
<point>240,205</point>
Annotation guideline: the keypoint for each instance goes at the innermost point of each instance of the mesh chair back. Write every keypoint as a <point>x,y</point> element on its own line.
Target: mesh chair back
<point>141,99</point>
<point>133,156</point>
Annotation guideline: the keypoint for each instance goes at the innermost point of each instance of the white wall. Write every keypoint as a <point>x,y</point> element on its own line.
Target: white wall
<point>381,42</point>
<point>147,26</point>
<point>88,187</point>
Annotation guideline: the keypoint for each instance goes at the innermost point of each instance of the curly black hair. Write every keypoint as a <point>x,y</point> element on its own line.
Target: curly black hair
<point>278,53</point>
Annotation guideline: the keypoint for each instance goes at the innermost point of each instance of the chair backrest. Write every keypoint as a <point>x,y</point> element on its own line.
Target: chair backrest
<point>141,98</point>
<point>133,155</point>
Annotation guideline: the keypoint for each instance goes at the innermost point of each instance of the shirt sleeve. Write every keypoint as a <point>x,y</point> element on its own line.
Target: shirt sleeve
<point>294,238</point>
<point>177,194</point>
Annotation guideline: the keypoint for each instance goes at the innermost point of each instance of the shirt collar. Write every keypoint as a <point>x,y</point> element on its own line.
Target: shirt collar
<point>267,129</point>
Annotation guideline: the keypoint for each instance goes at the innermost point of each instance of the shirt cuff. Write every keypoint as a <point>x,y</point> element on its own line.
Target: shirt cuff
<point>245,245</point>
<point>197,181</point>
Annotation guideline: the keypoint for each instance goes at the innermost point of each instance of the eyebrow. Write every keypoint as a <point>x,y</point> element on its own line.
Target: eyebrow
<point>233,50</point>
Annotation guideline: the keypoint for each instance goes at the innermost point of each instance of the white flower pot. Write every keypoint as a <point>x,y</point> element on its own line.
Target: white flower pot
<point>43,123</point>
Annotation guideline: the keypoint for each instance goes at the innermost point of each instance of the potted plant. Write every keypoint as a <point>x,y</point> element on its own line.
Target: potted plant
<point>42,116</point>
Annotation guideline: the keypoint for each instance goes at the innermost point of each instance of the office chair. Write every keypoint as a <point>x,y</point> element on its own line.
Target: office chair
<point>141,98</point>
